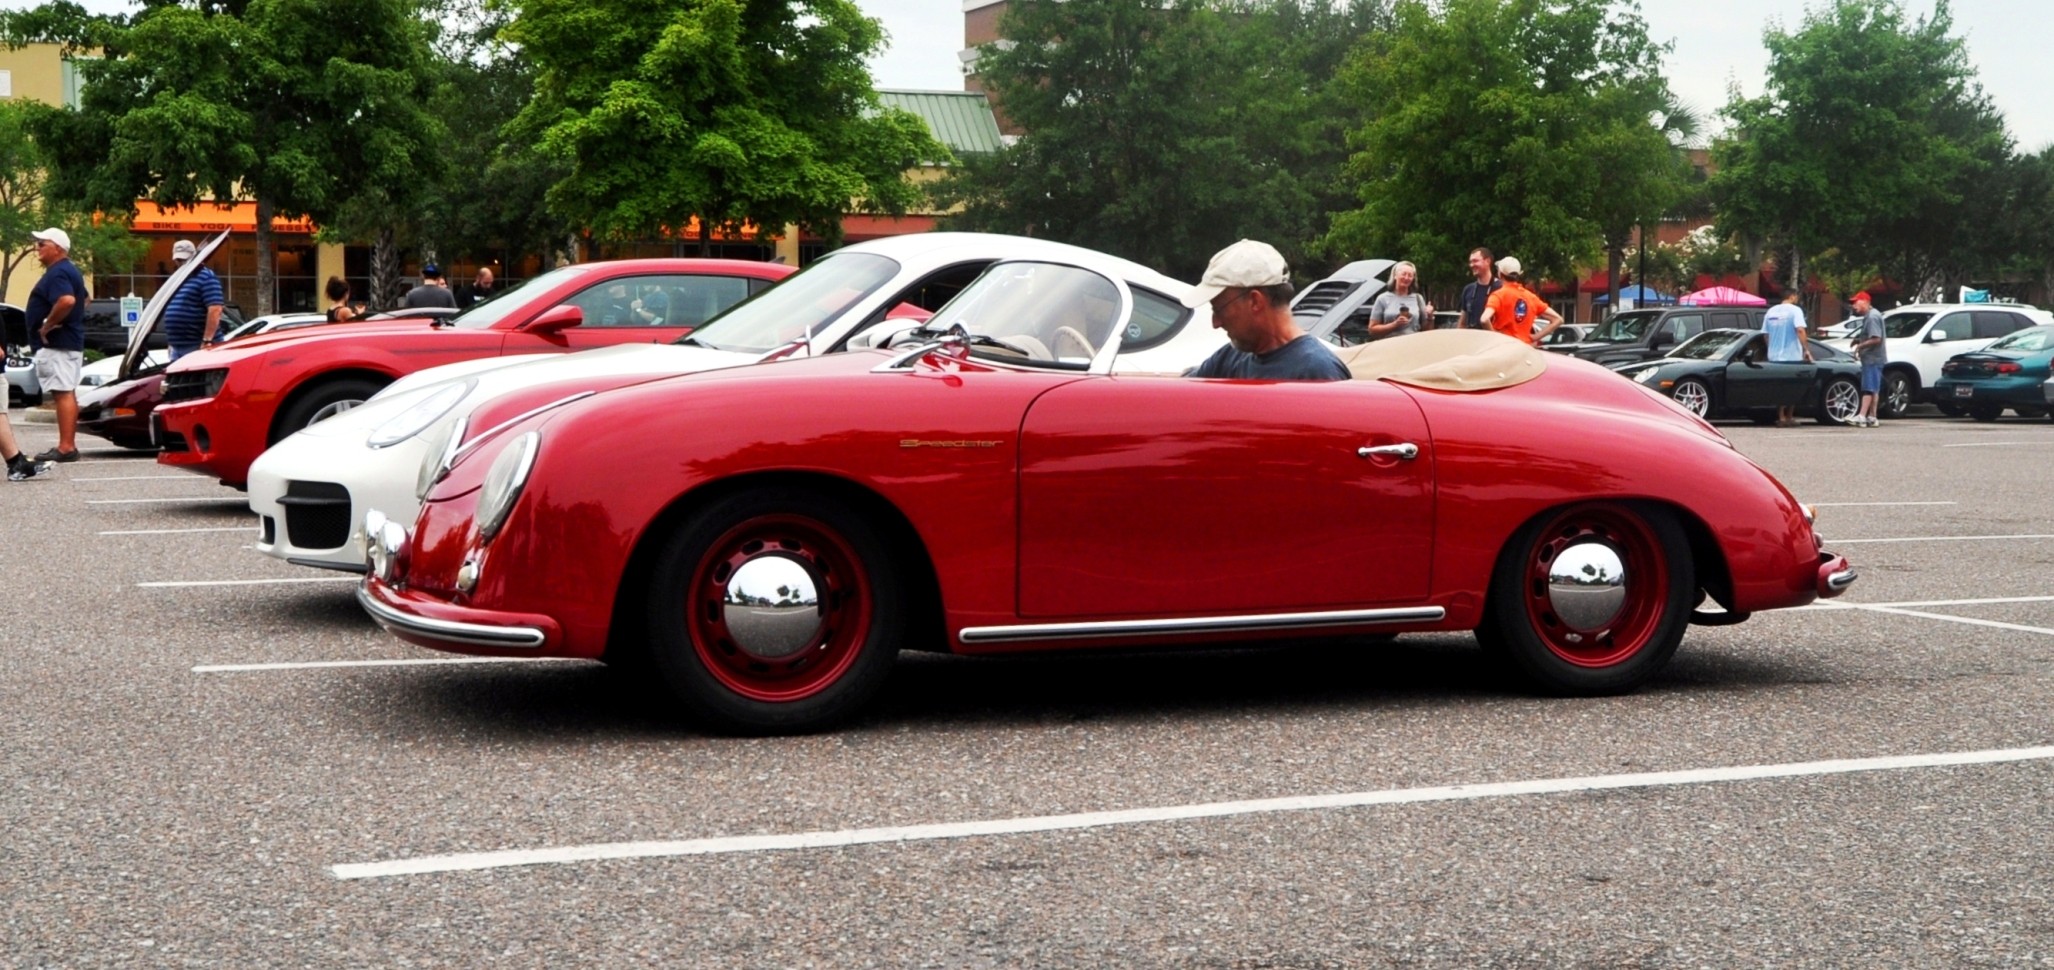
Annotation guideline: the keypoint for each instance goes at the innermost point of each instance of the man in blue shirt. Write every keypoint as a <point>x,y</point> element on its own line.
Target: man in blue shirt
<point>57,332</point>
<point>193,317</point>
<point>1249,287</point>
<point>1784,324</point>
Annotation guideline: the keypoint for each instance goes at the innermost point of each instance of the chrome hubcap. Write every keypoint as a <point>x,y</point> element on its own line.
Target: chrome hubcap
<point>771,606</point>
<point>1693,398</point>
<point>1587,586</point>
<point>1842,400</point>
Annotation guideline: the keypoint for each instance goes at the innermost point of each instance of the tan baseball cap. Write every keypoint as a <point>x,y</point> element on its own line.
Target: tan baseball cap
<point>1244,264</point>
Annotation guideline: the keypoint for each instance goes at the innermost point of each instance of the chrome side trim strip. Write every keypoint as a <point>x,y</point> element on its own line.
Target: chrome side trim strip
<point>1035,632</point>
<point>475,634</point>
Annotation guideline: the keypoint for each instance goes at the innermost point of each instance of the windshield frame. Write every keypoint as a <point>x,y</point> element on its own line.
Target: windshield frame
<point>802,286</point>
<point>1728,342</point>
<point>1101,363</point>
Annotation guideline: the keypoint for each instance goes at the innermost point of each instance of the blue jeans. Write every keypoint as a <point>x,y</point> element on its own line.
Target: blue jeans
<point>1871,378</point>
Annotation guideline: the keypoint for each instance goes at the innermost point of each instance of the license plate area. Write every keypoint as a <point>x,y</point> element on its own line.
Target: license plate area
<point>1964,390</point>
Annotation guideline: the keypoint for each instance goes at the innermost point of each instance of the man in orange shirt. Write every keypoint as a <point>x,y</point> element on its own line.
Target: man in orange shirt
<point>1512,309</point>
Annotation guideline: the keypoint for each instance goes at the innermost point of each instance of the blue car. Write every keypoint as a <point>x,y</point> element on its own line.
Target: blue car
<point>2005,374</point>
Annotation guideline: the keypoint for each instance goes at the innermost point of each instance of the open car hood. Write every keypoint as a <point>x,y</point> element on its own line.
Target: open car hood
<point>153,311</point>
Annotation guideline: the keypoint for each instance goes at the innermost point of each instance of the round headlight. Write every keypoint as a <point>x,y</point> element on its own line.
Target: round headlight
<point>503,483</point>
<point>442,446</point>
<point>416,419</point>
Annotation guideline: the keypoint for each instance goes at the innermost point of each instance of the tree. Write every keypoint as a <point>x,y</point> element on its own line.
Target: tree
<point>1536,147</point>
<point>1162,132</point>
<point>1871,138</point>
<point>299,105</point>
<point>730,111</point>
<point>97,245</point>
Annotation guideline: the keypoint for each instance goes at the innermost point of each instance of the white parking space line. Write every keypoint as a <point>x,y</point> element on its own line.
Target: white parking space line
<point>174,532</point>
<point>1999,444</point>
<point>1837,605</point>
<point>1850,505</point>
<point>468,861</point>
<point>328,664</point>
<point>1969,620</point>
<point>143,478</point>
<point>252,582</point>
<point>1850,542</point>
<point>141,501</point>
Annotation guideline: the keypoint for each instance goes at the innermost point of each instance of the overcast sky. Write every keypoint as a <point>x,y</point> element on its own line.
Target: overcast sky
<point>1716,44</point>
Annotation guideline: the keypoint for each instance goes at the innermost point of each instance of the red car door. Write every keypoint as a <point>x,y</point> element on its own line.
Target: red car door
<point>1171,496</point>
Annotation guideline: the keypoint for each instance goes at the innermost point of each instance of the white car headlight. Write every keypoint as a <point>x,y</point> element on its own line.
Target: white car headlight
<point>1642,375</point>
<point>503,483</point>
<point>416,419</point>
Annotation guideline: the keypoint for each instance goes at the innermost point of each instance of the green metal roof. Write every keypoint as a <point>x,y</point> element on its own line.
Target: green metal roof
<point>962,120</point>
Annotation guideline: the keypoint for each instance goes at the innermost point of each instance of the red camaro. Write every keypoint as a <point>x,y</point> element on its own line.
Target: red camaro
<point>225,405</point>
<point>787,528</point>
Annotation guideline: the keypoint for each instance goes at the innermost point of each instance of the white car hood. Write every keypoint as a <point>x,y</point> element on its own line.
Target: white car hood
<point>498,375</point>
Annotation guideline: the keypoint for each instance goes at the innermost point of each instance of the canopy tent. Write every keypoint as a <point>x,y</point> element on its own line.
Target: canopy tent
<point>1722,296</point>
<point>1640,295</point>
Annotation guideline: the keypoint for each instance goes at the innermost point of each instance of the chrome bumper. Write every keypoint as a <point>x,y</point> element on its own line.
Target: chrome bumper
<point>448,631</point>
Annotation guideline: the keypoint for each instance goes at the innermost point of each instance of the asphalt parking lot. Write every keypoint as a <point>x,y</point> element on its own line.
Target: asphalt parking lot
<point>213,759</point>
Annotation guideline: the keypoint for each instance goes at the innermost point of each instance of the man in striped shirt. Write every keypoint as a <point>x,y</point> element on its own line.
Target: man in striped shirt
<point>193,316</point>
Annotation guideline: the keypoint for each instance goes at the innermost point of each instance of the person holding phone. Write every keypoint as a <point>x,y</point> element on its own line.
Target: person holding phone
<point>1399,309</point>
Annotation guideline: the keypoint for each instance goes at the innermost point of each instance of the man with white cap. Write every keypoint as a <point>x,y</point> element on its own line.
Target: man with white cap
<point>193,316</point>
<point>1249,287</point>
<point>57,332</point>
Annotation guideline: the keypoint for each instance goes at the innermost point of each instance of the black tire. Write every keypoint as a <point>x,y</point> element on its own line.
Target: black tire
<point>1695,396</point>
<point>1839,401</point>
<point>320,401</point>
<point>1617,654</point>
<point>1898,387</point>
<point>863,613</point>
<point>1985,413</point>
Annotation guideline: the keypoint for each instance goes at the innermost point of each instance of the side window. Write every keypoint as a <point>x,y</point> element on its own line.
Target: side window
<point>1731,321</point>
<point>1156,319</point>
<point>658,301</point>
<point>1957,326</point>
<point>931,293</point>
<point>1682,327</point>
<point>1991,324</point>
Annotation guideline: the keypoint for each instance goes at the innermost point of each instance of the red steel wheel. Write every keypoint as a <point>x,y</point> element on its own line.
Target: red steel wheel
<point>801,630</point>
<point>775,610</point>
<point>1592,598</point>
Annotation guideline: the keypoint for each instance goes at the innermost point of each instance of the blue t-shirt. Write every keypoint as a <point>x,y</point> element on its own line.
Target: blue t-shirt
<point>1784,324</point>
<point>1303,359</point>
<point>60,280</point>
<point>185,317</point>
<point>1474,296</point>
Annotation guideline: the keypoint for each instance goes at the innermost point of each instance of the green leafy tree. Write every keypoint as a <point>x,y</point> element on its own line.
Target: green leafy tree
<point>1533,127</point>
<point>97,245</point>
<point>1871,138</point>
<point>732,111</point>
<point>1162,132</point>
<point>298,105</point>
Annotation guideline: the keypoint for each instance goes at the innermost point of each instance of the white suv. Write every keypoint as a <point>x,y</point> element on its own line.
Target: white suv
<point>1919,337</point>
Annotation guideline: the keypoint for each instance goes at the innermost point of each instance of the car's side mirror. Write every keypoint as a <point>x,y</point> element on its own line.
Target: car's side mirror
<point>1936,336</point>
<point>556,319</point>
<point>1661,339</point>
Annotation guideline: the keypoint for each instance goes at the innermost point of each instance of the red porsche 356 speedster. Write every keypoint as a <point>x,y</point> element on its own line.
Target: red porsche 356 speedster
<point>768,538</point>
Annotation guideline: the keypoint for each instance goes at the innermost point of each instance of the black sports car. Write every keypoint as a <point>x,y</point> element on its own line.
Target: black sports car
<point>1727,373</point>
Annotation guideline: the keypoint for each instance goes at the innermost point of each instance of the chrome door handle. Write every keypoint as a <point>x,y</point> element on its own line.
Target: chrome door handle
<point>1406,451</point>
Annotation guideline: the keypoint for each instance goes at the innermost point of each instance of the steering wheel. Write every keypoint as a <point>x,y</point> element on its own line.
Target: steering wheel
<point>1070,335</point>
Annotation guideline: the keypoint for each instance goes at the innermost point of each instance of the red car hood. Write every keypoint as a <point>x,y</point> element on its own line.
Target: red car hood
<point>353,332</point>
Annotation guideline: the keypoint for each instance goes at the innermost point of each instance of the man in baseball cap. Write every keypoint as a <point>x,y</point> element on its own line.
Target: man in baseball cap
<point>56,314</point>
<point>192,319</point>
<point>1248,288</point>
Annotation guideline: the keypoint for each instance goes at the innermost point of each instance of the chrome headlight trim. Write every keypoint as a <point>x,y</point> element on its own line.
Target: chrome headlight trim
<point>422,415</point>
<point>441,455</point>
<point>504,483</point>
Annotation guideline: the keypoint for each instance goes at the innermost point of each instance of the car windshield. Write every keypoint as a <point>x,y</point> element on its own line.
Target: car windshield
<point>2029,339</point>
<point>800,304</point>
<point>1624,328</point>
<point>1710,345</point>
<point>1043,312</point>
<point>1902,324</point>
<point>486,314</point>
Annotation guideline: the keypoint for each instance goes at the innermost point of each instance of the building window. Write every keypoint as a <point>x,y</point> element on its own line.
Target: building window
<point>73,82</point>
<point>6,84</point>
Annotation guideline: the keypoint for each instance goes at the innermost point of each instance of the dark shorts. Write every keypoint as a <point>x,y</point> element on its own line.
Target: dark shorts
<point>1871,378</point>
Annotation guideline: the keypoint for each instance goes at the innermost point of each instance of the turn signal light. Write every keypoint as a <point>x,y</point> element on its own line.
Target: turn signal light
<point>2007,368</point>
